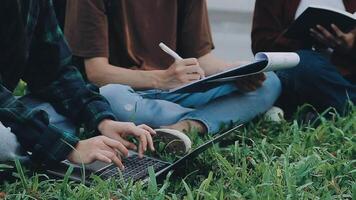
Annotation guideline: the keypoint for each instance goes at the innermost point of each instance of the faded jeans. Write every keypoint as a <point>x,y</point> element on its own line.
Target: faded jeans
<point>216,107</point>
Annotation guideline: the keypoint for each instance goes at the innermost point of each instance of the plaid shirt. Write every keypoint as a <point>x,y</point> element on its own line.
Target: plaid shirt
<point>51,78</point>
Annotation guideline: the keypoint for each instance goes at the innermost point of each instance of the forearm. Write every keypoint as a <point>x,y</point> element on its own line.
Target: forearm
<point>100,72</point>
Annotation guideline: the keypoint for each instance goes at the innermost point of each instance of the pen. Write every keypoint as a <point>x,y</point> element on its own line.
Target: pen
<point>169,51</point>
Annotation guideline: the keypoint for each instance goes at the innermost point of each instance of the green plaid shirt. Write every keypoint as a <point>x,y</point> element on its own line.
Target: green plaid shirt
<point>51,78</point>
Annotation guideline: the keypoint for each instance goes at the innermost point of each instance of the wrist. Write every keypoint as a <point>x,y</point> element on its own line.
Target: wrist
<point>72,154</point>
<point>157,78</point>
<point>103,124</point>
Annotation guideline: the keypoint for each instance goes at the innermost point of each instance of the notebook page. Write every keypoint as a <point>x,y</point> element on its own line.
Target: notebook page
<point>278,60</point>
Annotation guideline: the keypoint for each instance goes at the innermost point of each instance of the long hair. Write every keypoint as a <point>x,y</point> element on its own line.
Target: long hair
<point>12,42</point>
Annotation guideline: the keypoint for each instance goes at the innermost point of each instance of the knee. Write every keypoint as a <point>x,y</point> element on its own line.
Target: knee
<point>312,64</point>
<point>270,91</point>
<point>310,71</point>
<point>112,91</point>
<point>124,101</point>
<point>272,86</point>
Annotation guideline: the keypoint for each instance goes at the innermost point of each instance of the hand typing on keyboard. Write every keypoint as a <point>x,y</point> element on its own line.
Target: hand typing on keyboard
<point>98,148</point>
<point>119,131</point>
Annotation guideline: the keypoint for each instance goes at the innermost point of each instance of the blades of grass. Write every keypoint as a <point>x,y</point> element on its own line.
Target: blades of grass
<point>21,174</point>
<point>221,196</point>
<point>225,164</point>
<point>166,183</point>
<point>35,183</point>
<point>299,189</point>
<point>204,185</point>
<point>82,163</point>
<point>4,167</point>
<point>289,179</point>
<point>66,180</point>
<point>152,184</point>
<point>188,190</point>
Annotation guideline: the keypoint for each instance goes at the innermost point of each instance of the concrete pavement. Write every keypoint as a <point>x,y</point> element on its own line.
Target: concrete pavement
<point>232,5</point>
<point>231,34</point>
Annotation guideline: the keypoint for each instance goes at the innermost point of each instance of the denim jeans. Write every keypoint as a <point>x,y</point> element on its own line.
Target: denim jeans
<point>8,142</point>
<point>56,119</point>
<point>222,105</point>
<point>315,81</point>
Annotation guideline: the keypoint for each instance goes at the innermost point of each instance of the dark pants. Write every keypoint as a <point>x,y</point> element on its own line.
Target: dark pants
<point>315,81</point>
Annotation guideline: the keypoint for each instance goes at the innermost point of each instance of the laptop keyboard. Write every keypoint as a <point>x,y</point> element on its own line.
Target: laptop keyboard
<point>135,168</point>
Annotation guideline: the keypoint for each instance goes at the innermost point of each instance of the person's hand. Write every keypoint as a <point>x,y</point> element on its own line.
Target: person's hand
<point>181,72</point>
<point>250,83</point>
<point>338,40</point>
<point>121,130</point>
<point>99,148</point>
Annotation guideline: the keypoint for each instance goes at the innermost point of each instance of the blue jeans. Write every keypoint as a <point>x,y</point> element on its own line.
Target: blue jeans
<point>56,119</point>
<point>214,108</point>
<point>315,81</point>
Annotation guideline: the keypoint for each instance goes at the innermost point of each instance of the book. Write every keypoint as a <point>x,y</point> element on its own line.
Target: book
<point>324,16</point>
<point>264,62</point>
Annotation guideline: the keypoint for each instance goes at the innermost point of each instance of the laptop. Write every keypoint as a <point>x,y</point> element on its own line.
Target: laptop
<point>135,168</point>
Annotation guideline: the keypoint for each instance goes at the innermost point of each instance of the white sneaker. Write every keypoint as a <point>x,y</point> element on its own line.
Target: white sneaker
<point>274,114</point>
<point>176,141</point>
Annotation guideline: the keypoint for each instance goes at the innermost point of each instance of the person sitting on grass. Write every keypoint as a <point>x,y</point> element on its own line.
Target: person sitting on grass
<point>33,49</point>
<point>118,42</point>
<point>326,75</point>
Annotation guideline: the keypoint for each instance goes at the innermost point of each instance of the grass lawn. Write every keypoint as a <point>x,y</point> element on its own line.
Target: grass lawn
<point>263,160</point>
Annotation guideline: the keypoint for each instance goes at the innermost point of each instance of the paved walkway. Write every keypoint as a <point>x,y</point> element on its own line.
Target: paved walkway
<point>232,5</point>
<point>231,34</point>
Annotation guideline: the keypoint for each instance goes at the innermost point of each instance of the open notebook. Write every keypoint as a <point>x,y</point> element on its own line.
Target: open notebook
<point>264,62</point>
<point>320,15</point>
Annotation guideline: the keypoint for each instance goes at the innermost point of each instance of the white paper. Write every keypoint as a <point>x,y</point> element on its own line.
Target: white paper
<point>278,60</point>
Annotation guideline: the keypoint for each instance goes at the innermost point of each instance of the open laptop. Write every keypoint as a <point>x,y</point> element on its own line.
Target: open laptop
<point>135,168</point>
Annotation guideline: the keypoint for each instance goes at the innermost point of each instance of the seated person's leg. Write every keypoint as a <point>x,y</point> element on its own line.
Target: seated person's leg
<point>55,118</point>
<point>129,105</point>
<point>205,111</point>
<point>233,106</point>
<point>9,146</point>
<point>316,81</point>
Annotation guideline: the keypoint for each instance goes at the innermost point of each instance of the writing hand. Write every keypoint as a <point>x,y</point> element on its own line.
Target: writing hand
<point>181,72</point>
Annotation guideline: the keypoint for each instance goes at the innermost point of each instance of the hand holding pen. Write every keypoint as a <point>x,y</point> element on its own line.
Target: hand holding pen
<point>182,71</point>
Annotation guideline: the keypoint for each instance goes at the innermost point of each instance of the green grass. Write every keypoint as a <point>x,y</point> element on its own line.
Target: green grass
<point>263,160</point>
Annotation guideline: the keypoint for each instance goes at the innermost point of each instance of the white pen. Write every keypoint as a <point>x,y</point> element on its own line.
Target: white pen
<point>169,51</point>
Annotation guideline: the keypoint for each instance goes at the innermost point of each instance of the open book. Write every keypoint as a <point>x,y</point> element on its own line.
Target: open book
<point>264,62</point>
<point>324,16</point>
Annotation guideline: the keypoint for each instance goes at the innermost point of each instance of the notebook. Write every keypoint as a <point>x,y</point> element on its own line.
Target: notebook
<point>264,62</point>
<point>324,16</point>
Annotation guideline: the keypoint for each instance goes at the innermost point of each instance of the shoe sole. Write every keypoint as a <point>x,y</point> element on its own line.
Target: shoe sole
<point>176,141</point>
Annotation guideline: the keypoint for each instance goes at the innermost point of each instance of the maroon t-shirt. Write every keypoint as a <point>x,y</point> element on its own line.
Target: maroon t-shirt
<point>128,31</point>
<point>273,17</point>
